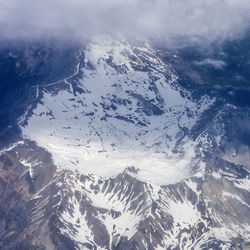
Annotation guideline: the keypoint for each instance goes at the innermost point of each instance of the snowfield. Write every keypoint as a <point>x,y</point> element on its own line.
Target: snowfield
<point>125,111</point>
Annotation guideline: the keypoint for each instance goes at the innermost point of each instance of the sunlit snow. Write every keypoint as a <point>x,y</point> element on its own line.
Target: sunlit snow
<point>122,116</point>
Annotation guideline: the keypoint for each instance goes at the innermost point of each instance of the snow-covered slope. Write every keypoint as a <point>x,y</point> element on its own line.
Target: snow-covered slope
<point>122,108</point>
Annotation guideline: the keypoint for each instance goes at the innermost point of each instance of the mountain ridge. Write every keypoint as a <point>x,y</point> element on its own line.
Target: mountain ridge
<point>119,155</point>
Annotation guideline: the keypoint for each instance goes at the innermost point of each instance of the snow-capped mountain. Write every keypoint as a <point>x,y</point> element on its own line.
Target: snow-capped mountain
<point>120,155</point>
<point>122,108</point>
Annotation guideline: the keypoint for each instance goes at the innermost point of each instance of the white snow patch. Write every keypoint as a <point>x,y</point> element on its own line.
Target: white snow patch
<point>184,213</point>
<point>243,184</point>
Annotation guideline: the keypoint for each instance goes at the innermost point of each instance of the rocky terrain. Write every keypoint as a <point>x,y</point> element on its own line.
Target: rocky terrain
<point>120,154</point>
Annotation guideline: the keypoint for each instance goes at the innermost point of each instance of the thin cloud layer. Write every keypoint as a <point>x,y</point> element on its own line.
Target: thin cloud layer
<point>160,19</point>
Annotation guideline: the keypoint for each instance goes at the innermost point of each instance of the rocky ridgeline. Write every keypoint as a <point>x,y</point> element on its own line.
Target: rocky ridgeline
<point>47,208</point>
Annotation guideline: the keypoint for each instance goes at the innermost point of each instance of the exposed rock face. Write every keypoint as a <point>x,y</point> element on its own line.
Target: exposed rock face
<point>48,209</point>
<point>120,156</point>
<point>25,170</point>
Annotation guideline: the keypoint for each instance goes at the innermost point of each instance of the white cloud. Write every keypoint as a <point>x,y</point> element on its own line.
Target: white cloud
<point>205,19</point>
<point>218,64</point>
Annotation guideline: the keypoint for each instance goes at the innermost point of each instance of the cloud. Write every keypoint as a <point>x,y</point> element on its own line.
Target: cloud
<point>160,19</point>
<point>217,64</point>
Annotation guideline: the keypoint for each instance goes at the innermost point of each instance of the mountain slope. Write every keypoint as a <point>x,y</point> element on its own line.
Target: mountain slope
<point>119,156</point>
<point>125,110</point>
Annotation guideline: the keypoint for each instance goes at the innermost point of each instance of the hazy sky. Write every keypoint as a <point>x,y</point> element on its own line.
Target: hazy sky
<point>208,19</point>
